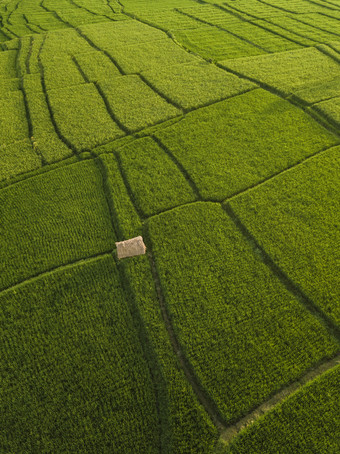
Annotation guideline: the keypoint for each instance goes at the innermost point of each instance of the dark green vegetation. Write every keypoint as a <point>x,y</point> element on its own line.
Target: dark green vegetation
<point>307,422</point>
<point>210,127</point>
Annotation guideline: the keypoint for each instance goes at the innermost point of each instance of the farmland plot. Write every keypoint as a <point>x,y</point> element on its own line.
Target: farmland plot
<point>240,142</point>
<point>211,128</point>
<point>55,222</point>
<point>243,333</point>
<point>313,415</point>
<point>299,228</point>
<point>74,390</point>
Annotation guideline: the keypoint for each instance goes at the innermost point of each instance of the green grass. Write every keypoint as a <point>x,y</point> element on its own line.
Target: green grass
<point>13,122</point>
<point>82,117</point>
<point>45,136</point>
<point>295,218</point>
<point>331,108</point>
<point>211,129</point>
<point>306,422</point>
<point>59,217</point>
<point>288,71</point>
<point>243,333</point>
<point>74,390</point>
<point>127,220</point>
<point>214,44</point>
<point>17,158</point>
<point>61,72</point>
<point>194,85</point>
<point>7,64</point>
<point>155,181</point>
<point>237,143</point>
<point>135,104</point>
<point>186,426</point>
<point>96,66</point>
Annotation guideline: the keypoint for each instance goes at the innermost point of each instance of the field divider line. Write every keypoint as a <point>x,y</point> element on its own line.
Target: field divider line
<point>150,358</point>
<point>28,57</point>
<point>21,177</point>
<point>103,96</point>
<point>159,93</point>
<point>321,48</point>
<point>277,7</point>
<point>277,174</point>
<point>293,288</point>
<point>150,355</point>
<point>318,116</point>
<point>127,185</point>
<point>321,5</point>
<point>267,20</point>
<point>94,46</point>
<point>312,373</point>
<point>62,267</point>
<point>241,38</point>
<point>179,165</point>
<point>72,2</point>
<point>28,23</point>
<point>49,107</point>
<point>240,15</point>
<point>316,27</point>
<point>8,19</point>
<point>55,14</point>
<point>26,103</point>
<point>204,399</point>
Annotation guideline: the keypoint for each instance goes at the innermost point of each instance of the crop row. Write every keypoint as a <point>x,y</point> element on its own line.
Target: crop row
<point>243,333</point>
<point>59,217</point>
<point>74,376</point>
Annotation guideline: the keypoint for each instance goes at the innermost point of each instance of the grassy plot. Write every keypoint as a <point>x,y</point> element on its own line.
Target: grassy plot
<point>135,104</point>
<point>74,378</point>
<point>7,64</point>
<point>287,71</point>
<point>309,421</point>
<point>307,31</point>
<point>186,427</point>
<point>295,218</point>
<point>168,20</point>
<point>149,55</point>
<point>214,44</point>
<point>60,72</point>
<point>243,333</point>
<point>156,182</point>
<point>45,137</point>
<point>17,158</point>
<point>331,108</point>
<point>129,32</point>
<point>82,117</point>
<point>320,91</point>
<point>96,66</point>
<point>61,42</point>
<point>8,85</point>
<point>128,224</point>
<point>234,144</point>
<point>13,122</point>
<point>197,84</point>
<point>246,31</point>
<point>71,14</point>
<point>59,217</point>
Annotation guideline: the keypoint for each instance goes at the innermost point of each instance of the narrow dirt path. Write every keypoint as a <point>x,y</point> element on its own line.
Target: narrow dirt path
<point>231,431</point>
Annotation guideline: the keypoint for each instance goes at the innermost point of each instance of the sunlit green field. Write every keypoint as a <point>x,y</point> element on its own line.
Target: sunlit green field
<point>212,129</point>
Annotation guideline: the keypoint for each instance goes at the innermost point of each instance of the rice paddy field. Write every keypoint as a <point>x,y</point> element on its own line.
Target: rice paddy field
<point>212,129</point>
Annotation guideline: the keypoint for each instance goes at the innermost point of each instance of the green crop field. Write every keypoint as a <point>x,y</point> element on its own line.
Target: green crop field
<point>212,129</point>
